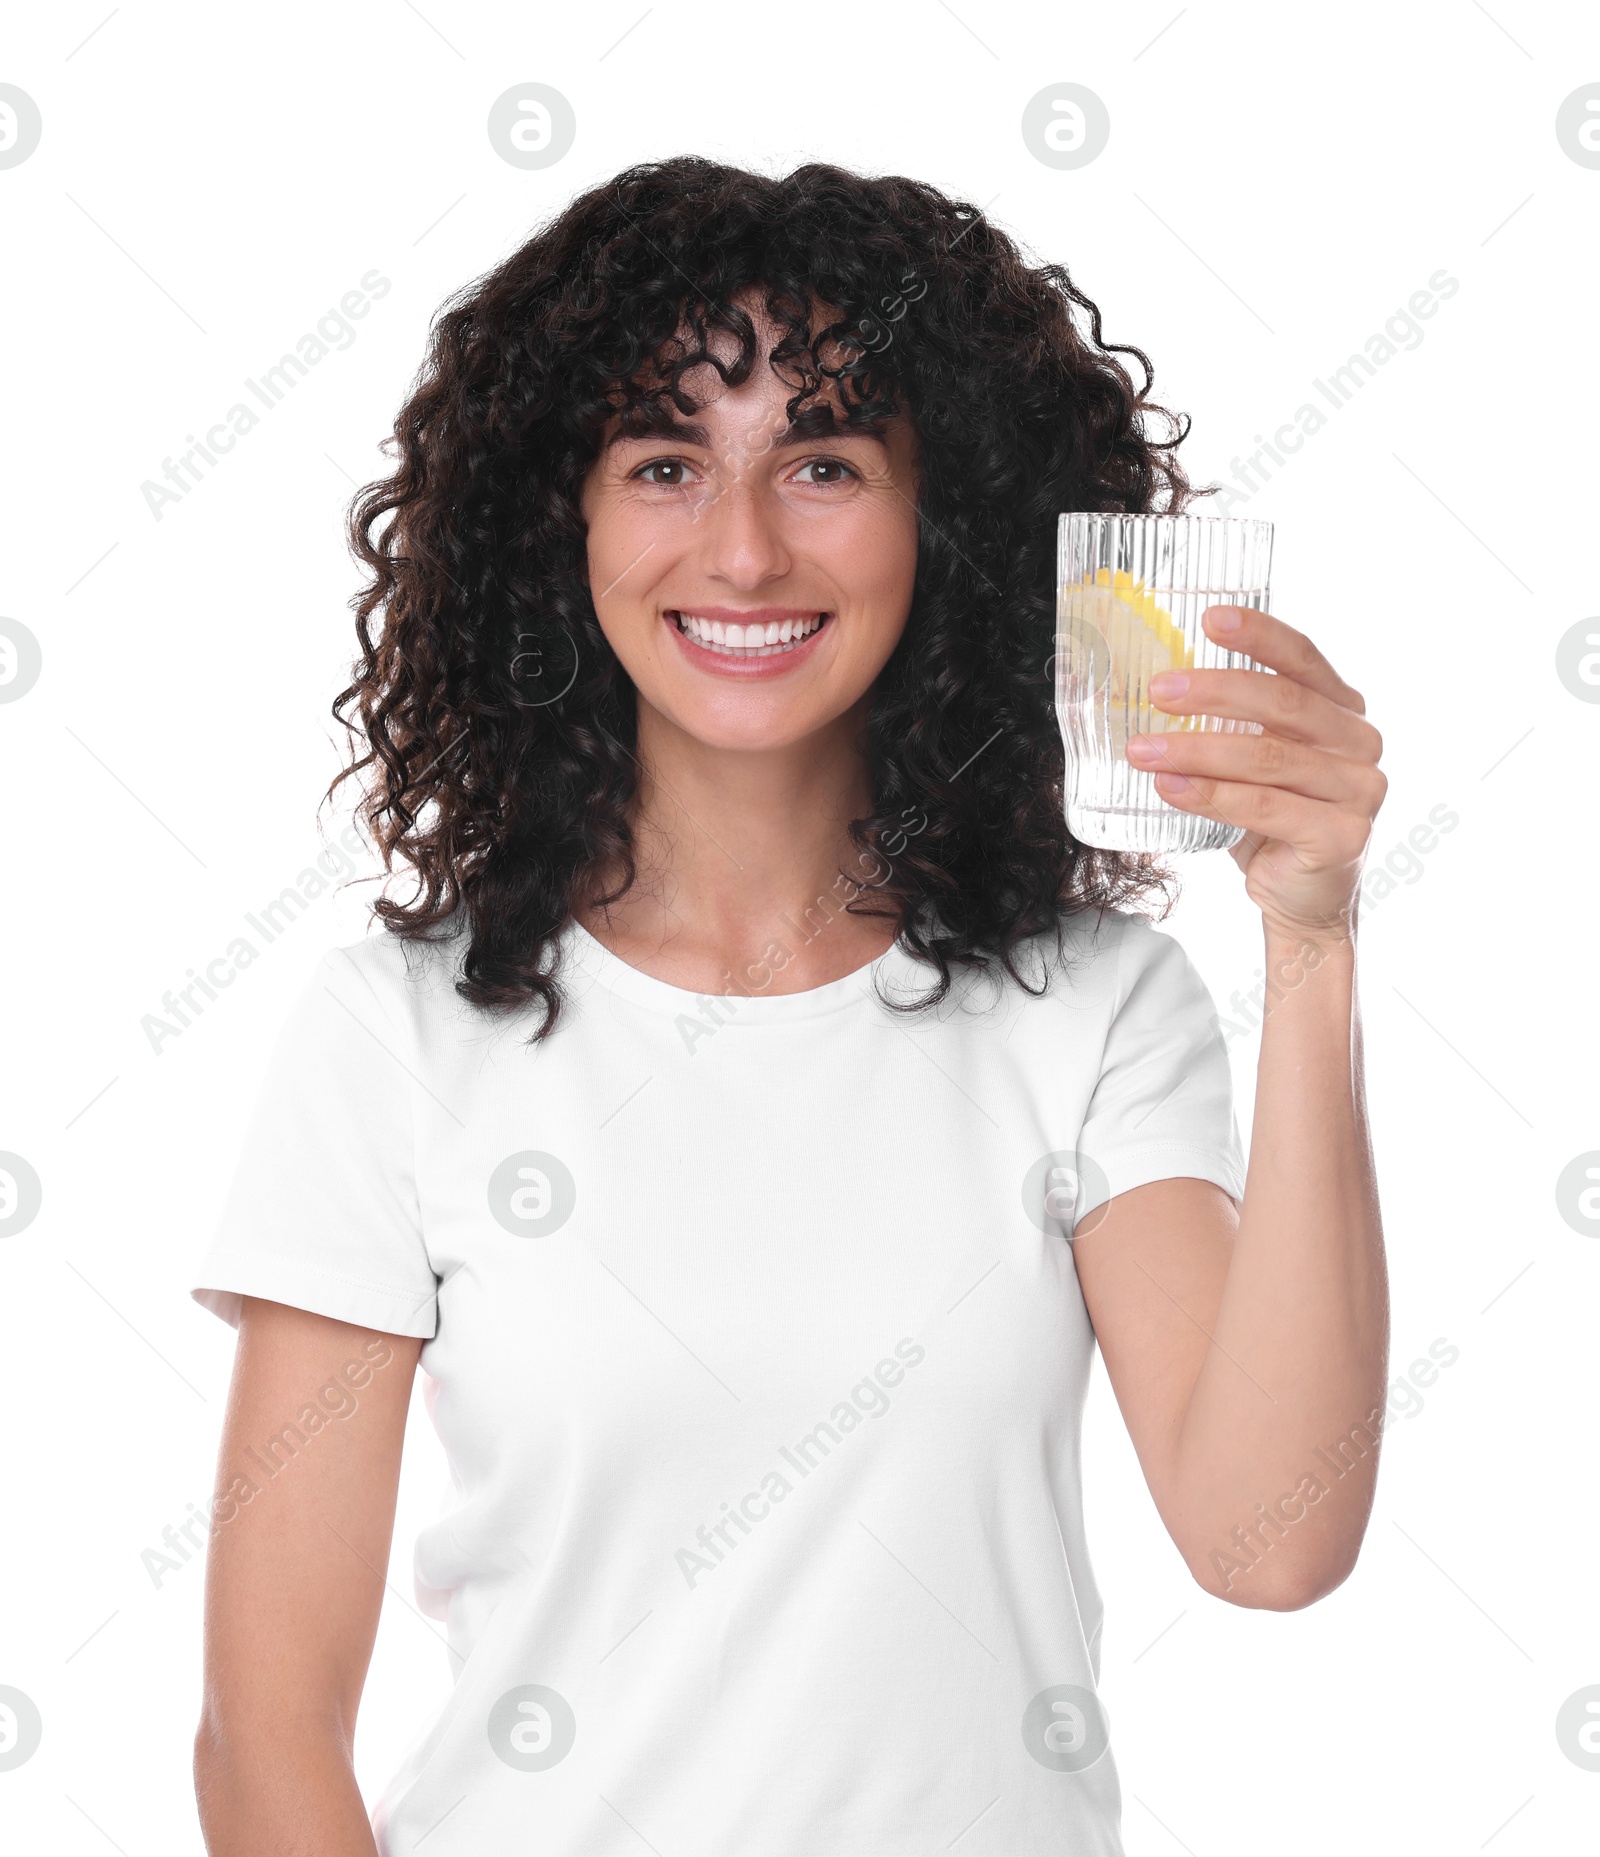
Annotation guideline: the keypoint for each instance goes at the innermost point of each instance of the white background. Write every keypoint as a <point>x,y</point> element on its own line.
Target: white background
<point>212,180</point>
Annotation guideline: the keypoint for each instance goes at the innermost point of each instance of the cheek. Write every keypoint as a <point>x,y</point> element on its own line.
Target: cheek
<point>625,546</point>
<point>877,564</point>
<point>890,541</point>
<point>609,527</point>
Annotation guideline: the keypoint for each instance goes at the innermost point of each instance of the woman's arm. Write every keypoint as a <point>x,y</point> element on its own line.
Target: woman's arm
<point>1249,1354</point>
<point>306,1485</point>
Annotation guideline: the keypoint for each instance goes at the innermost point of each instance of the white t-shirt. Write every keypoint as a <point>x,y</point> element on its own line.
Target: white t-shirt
<point>756,1347</point>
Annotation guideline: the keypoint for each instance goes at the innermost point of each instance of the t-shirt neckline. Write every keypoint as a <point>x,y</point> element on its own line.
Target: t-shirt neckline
<point>757,1008</point>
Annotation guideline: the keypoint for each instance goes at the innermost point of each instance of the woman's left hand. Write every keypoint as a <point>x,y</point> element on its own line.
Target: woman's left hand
<point>1306,790</point>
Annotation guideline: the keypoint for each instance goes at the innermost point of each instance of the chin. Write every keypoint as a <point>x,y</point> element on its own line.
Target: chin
<point>746,721</point>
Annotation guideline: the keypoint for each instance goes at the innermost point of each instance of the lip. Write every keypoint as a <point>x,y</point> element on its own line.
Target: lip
<point>722,666</point>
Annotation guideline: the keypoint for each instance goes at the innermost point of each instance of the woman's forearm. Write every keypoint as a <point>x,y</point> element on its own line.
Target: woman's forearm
<point>1280,1437</point>
<point>289,1793</point>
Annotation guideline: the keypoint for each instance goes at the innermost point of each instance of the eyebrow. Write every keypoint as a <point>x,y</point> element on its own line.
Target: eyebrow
<point>657,422</point>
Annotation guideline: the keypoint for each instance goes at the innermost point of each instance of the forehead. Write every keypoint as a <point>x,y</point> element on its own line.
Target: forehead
<point>760,399</point>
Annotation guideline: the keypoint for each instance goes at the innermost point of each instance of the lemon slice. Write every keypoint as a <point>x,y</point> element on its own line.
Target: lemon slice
<point>1114,637</point>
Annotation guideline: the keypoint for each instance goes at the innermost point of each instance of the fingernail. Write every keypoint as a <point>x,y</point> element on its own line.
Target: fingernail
<point>1171,783</point>
<point>1142,748</point>
<point>1168,683</point>
<point>1226,619</point>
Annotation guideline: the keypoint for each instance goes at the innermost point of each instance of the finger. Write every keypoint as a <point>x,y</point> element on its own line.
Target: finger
<point>1271,812</point>
<point>1270,641</point>
<point>1282,704</point>
<point>1262,760</point>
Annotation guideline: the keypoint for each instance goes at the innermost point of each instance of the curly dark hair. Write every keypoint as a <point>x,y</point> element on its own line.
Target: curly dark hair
<point>508,789</point>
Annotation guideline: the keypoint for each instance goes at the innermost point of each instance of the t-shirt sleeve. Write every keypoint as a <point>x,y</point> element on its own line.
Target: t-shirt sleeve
<point>322,1212</point>
<point>1163,1105</point>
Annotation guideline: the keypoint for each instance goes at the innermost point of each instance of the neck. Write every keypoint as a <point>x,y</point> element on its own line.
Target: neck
<point>739,850</point>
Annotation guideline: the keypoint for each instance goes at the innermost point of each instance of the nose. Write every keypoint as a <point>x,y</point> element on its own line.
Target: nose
<point>742,531</point>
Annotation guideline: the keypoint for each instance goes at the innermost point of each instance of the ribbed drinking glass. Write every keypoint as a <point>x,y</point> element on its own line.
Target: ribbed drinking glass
<point>1129,594</point>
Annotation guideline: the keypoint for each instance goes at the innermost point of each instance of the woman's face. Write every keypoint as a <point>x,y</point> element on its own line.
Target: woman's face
<point>730,521</point>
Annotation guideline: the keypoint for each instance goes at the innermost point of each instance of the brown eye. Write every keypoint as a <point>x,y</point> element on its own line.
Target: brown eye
<point>829,464</point>
<point>662,464</point>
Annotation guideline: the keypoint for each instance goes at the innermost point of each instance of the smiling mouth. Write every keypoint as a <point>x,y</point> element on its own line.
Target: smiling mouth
<point>749,641</point>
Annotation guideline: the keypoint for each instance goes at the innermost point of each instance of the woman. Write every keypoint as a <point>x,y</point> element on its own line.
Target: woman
<point>763,1105</point>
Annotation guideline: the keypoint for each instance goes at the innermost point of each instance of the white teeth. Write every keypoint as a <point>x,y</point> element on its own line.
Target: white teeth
<point>755,639</point>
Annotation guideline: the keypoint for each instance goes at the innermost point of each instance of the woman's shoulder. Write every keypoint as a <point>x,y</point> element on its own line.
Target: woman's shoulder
<point>1107,986</point>
<point>1100,959</point>
<point>405,978</point>
<point>1078,960</point>
<point>1085,942</point>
